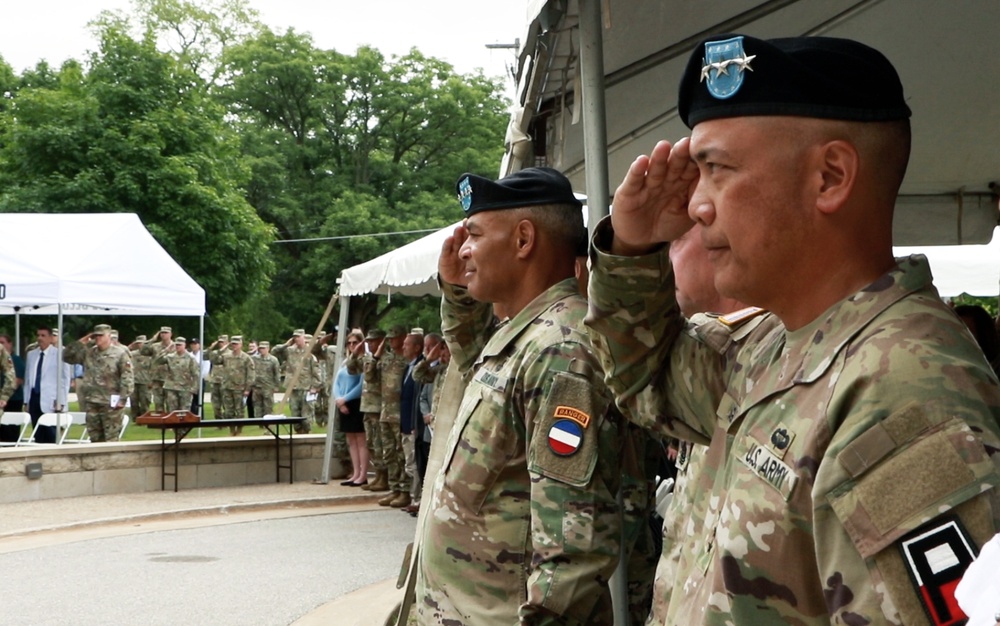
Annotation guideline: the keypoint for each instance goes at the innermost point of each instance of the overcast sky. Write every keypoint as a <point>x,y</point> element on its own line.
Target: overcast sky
<point>454,30</point>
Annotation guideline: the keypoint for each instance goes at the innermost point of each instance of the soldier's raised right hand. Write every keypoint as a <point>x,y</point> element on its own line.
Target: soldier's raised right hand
<point>651,205</point>
<point>451,268</point>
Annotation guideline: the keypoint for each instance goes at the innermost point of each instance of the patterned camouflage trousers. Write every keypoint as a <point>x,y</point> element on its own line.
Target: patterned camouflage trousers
<point>217,399</point>
<point>232,404</point>
<point>140,399</point>
<point>301,408</point>
<point>263,402</point>
<point>392,453</point>
<point>322,408</point>
<point>410,466</point>
<point>340,449</point>
<point>373,438</point>
<point>174,400</point>
<point>103,422</point>
<point>156,391</point>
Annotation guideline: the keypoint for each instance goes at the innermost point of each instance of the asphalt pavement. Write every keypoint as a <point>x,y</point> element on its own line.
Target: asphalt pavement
<point>308,554</point>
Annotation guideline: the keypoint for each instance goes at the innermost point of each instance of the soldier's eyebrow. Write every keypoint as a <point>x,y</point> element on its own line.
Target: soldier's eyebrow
<point>709,153</point>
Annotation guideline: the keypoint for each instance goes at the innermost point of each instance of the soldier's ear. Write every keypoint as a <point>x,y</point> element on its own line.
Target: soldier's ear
<point>525,238</point>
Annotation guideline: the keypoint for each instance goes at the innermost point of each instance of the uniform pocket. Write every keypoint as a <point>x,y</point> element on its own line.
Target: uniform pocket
<point>901,477</point>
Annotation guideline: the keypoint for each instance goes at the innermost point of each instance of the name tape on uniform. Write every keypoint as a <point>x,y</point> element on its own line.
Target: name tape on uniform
<point>491,379</point>
<point>765,464</point>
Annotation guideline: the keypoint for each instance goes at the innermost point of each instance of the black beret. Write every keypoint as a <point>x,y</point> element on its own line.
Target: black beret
<point>824,77</point>
<point>533,186</point>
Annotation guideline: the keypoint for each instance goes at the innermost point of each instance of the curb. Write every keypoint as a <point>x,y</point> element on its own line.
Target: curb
<point>220,509</point>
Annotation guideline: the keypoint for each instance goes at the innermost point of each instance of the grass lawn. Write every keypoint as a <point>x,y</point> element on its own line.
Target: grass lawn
<point>135,432</point>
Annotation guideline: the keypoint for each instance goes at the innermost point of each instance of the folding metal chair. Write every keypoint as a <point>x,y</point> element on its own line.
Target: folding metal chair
<point>61,422</point>
<point>19,419</point>
<point>79,419</point>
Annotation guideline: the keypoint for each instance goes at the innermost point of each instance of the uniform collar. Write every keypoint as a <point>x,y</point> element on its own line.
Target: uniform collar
<point>509,331</point>
<point>811,349</point>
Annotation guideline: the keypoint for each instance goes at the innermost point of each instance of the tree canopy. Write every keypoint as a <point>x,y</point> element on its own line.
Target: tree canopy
<point>264,164</point>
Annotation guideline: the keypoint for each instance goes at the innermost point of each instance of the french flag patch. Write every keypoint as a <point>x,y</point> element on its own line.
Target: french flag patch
<point>565,437</point>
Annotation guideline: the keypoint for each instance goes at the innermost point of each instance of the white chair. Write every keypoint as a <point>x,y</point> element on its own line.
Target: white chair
<point>79,419</point>
<point>61,422</point>
<point>15,418</point>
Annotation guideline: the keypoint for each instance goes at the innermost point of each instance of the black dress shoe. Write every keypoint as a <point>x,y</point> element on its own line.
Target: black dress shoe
<point>348,483</point>
<point>358,484</point>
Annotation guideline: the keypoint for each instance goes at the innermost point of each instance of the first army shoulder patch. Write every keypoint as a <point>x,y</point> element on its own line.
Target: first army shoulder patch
<point>936,557</point>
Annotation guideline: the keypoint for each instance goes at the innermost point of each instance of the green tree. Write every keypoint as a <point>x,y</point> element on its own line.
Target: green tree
<point>343,146</point>
<point>138,133</point>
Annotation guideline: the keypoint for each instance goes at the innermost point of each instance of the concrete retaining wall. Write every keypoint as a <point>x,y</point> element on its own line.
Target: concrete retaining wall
<point>131,467</point>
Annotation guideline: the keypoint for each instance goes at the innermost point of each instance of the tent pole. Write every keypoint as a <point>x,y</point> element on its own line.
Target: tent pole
<point>17,330</point>
<point>342,331</point>
<point>595,131</point>
<point>595,143</point>
<point>201,361</point>
<point>64,406</point>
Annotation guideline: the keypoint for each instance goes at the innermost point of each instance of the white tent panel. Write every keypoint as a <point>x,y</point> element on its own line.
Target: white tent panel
<point>972,269</point>
<point>90,263</point>
<point>410,270</point>
<point>946,198</point>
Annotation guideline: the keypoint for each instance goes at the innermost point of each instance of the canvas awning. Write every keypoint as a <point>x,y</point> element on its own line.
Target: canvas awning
<point>90,264</point>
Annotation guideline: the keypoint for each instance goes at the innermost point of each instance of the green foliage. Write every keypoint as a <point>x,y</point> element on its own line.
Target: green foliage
<point>343,146</point>
<point>137,135</point>
<point>990,304</point>
<point>224,136</point>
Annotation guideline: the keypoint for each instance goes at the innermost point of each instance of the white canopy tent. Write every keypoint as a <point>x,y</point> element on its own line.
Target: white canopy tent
<point>412,269</point>
<point>597,86</point>
<point>972,269</point>
<point>90,264</point>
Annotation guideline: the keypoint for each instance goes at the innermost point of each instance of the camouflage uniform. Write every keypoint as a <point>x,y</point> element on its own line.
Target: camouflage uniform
<point>141,366</point>
<point>308,379</point>
<point>428,373</point>
<point>7,375</point>
<point>267,373</point>
<point>371,406</point>
<point>237,378</point>
<point>105,373</point>
<point>513,531</point>
<point>157,372</point>
<point>388,374</point>
<point>685,515</point>
<point>181,381</point>
<point>215,376</point>
<point>829,444</point>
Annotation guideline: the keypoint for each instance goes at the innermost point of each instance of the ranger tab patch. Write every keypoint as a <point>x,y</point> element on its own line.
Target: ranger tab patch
<point>565,437</point>
<point>936,557</point>
<point>568,412</point>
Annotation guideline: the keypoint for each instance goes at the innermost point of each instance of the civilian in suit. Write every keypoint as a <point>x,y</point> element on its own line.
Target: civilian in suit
<point>42,390</point>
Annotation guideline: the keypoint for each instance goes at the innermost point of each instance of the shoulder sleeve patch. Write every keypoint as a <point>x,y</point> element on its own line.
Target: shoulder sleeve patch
<point>564,443</point>
<point>898,490</point>
<point>936,557</point>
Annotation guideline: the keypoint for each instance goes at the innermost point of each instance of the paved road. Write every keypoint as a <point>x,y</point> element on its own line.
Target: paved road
<point>266,573</point>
